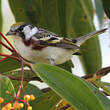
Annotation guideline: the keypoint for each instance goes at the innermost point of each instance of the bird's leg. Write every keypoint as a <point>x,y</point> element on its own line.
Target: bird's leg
<point>29,65</point>
<point>52,61</point>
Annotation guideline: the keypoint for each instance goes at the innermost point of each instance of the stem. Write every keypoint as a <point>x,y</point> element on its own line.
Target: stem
<point>8,42</point>
<point>10,56</point>
<point>3,59</point>
<point>65,107</point>
<point>10,94</point>
<point>45,90</point>
<point>99,73</point>
<point>21,100</point>
<point>8,102</point>
<point>6,46</point>
<point>19,78</point>
<point>99,84</point>
<point>22,78</point>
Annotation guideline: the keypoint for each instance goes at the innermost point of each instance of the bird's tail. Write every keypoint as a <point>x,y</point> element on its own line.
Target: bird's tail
<point>80,40</point>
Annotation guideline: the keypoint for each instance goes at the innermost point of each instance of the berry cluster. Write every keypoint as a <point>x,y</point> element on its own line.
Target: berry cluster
<point>18,104</point>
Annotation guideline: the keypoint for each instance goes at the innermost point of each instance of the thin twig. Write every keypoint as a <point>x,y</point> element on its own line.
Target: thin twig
<point>22,78</point>
<point>10,94</point>
<point>65,107</point>
<point>8,102</point>
<point>8,42</point>
<point>7,47</point>
<point>3,59</point>
<point>10,56</point>
<point>19,78</point>
<point>46,89</point>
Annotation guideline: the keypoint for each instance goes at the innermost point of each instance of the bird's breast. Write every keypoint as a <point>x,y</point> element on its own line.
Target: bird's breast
<point>42,55</point>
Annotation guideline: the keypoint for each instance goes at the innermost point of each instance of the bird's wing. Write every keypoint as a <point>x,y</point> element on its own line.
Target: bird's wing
<point>46,38</point>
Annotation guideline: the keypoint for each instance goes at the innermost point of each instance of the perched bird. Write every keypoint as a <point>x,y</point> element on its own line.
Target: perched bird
<point>38,45</point>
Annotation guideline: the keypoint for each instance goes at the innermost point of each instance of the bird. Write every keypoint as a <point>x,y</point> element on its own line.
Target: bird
<point>38,45</point>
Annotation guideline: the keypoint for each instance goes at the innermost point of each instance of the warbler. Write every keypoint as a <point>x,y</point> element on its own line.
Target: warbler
<point>38,45</point>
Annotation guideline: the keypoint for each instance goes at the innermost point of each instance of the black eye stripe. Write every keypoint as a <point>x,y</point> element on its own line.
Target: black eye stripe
<point>30,26</point>
<point>20,29</point>
<point>26,24</point>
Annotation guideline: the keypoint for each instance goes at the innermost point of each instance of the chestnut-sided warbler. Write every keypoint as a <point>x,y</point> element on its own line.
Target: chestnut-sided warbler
<point>38,45</point>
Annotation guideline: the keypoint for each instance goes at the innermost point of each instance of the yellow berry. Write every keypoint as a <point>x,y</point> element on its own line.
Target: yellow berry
<point>7,92</point>
<point>8,106</point>
<point>3,108</point>
<point>27,98</point>
<point>16,105</point>
<point>32,97</point>
<point>1,100</point>
<point>21,105</point>
<point>29,108</point>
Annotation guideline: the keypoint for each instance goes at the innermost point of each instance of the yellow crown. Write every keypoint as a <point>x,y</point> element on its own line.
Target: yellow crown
<point>17,24</point>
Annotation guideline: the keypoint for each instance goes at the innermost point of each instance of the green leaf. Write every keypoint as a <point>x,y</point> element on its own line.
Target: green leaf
<point>100,95</point>
<point>6,85</point>
<point>32,89</point>
<point>67,65</point>
<point>17,7</point>
<point>8,65</point>
<point>104,100</point>
<point>0,21</point>
<point>69,87</point>
<point>99,11</point>
<point>46,101</point>
<point>106,5</point>
<point>81,23</point>
<point>17,75</point>
<point>1,16</point>
<point>104,86</point>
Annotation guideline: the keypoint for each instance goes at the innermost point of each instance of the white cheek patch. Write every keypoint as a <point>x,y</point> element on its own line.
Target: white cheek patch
<point>29,32</point>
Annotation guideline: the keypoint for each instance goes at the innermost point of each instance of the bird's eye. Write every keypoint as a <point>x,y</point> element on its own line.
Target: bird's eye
<point>30,26</point>
<point>74,40</point>
<point>11,30</point>
<point>19,29</point>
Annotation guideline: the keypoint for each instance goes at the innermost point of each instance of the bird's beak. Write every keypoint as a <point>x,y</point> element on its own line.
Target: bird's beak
<point>10,33</point>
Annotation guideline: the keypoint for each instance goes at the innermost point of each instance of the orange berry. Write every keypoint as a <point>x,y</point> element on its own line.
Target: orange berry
<point>8,106</point>
<point>16,105</point>
<point>27,98</point>
<point>29,108</point>
<point>21,105</point>
<point>3,108</point>
<point>1,100</point>
<point>32,97</point>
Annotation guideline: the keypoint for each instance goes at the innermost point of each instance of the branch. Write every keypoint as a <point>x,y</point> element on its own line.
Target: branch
<point>99,73</point>
<point>65,107</point>
<point>19,78</point>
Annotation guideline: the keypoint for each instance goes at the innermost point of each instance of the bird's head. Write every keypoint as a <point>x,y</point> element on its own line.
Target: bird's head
<point>23,30</point>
